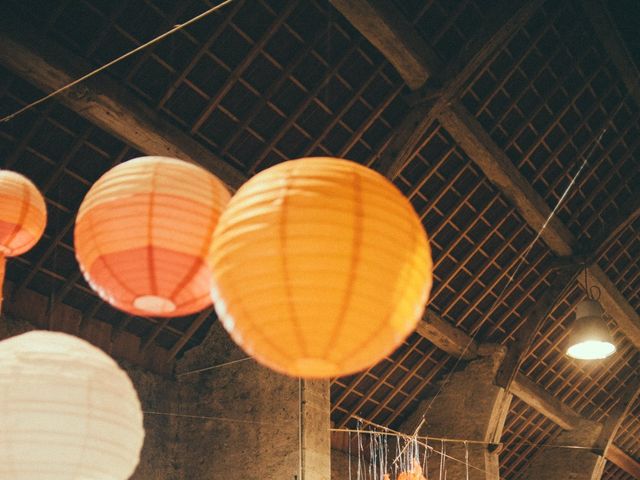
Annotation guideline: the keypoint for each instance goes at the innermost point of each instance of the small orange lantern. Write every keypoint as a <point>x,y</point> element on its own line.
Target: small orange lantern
<point>23,217</point>
<point>321,267</point>
<point>142,234</point>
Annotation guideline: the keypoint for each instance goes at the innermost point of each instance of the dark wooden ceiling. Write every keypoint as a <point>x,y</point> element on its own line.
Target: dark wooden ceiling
<point>268,80</point>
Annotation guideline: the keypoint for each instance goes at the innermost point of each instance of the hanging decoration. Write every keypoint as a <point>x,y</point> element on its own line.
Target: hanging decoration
<point>66,411</point>
<point>321,267</point>
<point>143,232</point>
<point>590,338</point>
<point>415,473</point>
<point>23,217</point>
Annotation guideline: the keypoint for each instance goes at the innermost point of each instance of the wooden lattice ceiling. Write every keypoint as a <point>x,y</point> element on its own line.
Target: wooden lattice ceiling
<point>268,80</point>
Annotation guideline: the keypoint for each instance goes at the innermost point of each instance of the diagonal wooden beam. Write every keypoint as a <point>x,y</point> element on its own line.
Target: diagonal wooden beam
<point>446,337</point>
<point>541,401</point>
<point>101,100</point>
<point>387,29</point>
<point>620,458</point>
<point>498,167</point>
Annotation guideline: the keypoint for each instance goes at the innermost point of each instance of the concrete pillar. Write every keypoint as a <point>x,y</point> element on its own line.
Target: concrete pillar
<point>470,407</point>
<point>266,425</point>
<point>569,463</point>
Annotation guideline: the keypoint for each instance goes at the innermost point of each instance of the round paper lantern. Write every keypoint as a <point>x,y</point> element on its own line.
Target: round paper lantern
<point>67,411</point>
<point>143,232</point>
<point>321,267</point>
<point>23,217</point>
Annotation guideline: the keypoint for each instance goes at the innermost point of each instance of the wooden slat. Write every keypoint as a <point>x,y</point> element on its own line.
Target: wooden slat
<point>102,100</point>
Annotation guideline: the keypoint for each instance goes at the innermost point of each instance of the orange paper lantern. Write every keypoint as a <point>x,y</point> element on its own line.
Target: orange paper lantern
<point>23,217</point>
<point>142,234</point>
<point>321,267</point>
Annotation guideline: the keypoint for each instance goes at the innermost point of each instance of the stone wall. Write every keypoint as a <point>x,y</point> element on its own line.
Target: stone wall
<point>237,422</point>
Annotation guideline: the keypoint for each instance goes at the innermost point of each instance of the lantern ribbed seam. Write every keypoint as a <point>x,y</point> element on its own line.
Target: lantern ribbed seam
<point>293,317</point>
<point>358,214</point>
<point>206,243</point>
<point>385,319</point>
<point>3,263</point>
<point>24,209</point>
<point>153,282</point>
<point>101,258</point>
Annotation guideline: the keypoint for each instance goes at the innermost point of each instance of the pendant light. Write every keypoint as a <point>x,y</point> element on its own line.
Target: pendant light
<point>590,338</point>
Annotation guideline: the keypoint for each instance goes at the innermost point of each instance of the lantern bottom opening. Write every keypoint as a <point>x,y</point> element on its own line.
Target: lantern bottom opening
<point>154,304</point>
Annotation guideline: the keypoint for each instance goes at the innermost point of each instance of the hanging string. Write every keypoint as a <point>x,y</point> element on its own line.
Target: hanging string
<point>213,367</point>
<point>349,460</point>
<point>300,432</point>
<point>442,454</point>
<point>425,462</point>
<point>466,457</point>
<point>208,417</point>
<point>359,450</point>
<point>139,48</point>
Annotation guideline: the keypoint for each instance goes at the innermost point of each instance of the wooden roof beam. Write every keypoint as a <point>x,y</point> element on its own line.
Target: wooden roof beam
<point>101,100</point>
<point>391,33</point>
<point>623,460</point>
<point>446,337</point>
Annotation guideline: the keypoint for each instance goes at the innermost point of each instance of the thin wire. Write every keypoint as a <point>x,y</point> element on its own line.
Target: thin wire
<point>213,367</point>
<point>466,457</point>
<point>300,432</point>
<point>119,59</point>
<point>427,438</point>
<point>349,439</point>
<point>206,417</point>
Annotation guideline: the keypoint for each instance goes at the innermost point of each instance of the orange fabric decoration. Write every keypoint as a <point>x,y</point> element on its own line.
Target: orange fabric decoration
<point>23,217</point>
<point>414,474</point>
<point>143,232</point>
<point>321,267</point>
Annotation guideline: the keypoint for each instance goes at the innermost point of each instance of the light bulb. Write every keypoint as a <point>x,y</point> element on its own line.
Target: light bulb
<point>591,350</point>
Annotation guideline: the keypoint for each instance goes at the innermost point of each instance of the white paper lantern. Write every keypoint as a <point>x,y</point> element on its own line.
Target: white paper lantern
<point>67,411</point>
